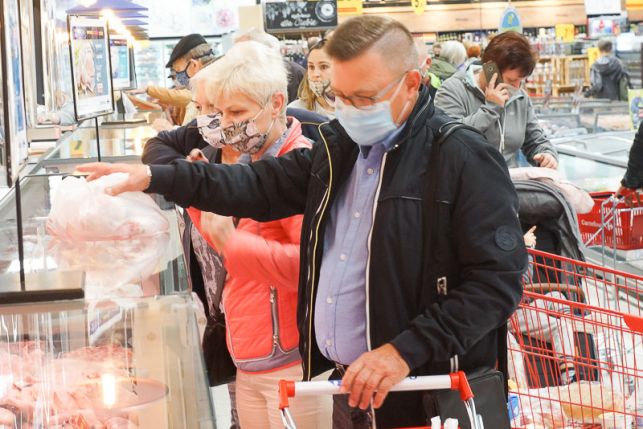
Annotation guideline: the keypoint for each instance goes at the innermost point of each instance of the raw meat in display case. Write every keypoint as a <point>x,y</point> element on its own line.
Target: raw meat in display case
<point>111,364</point>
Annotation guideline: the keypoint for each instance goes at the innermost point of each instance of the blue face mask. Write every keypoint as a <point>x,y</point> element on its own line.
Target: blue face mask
<point>181,78</point>
<point>368,126</point>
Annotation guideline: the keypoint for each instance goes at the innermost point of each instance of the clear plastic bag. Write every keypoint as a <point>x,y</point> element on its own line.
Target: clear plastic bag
<point>82,211</point>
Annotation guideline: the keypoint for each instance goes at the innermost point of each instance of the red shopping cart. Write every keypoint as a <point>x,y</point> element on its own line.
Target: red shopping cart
<point>612,223</point>
<point>576,347</point>
<point>457,381</point>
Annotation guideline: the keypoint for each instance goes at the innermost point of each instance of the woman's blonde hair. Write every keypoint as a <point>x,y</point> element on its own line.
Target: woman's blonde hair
<point>248,67</point>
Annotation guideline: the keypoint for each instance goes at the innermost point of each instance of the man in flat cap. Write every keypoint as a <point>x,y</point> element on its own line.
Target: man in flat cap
<point>190,55</point>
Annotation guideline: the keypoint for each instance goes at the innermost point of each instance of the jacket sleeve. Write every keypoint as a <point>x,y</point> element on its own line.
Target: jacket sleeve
<point>173,97</point>
<point>633,178</point>
<point>535,140</point>
<point>171,145</point>
<point>491,255</point>
<point>251,256</point>
<point>265,190</point>
<point>450,99</point>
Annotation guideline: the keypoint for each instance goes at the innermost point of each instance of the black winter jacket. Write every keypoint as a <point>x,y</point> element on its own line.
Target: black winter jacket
<point>633,178</point>
<point>433,324</point>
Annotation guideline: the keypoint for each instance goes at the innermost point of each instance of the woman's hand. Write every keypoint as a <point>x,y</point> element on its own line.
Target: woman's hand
<point>546,160</point>
<point>530,237</point>
<point>217,229</point>
<point>196,155</point>
<point>497,94</point>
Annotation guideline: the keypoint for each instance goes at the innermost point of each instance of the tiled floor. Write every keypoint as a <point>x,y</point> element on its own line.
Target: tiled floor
<point>221,402</point>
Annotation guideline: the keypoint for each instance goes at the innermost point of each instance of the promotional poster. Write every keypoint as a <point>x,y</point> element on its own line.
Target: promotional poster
<point>90,66</point>
<point>120,55</point>
<point>15,118</point>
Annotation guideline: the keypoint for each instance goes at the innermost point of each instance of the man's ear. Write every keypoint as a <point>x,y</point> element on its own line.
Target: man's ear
<point>413,81</point>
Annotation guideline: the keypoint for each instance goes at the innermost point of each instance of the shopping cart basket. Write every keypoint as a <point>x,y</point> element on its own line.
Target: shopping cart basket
<point>457,381</point>
<point>577,349</point>
<point>612,223</point>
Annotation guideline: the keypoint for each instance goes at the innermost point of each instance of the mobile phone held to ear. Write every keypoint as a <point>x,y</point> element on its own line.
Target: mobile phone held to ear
<point>490,69</point>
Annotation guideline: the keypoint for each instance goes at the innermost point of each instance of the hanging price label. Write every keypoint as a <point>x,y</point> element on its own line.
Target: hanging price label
<point>565,32</point>
<point>418,6</point>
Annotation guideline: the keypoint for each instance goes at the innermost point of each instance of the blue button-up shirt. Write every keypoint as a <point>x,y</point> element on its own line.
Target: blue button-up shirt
<point>340,308</point>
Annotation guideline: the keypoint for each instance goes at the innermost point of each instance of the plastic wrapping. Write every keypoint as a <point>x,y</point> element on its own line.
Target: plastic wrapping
<point>82,211</point>
<point>117,241</point>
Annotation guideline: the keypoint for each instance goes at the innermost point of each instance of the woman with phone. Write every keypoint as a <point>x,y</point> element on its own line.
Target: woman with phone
<point>490,98</point>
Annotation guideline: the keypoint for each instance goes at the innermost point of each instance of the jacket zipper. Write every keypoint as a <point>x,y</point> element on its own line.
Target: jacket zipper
<point>312,266</point>
<point>368,260</point>
<point>275,317</point>
<point>501,126</point>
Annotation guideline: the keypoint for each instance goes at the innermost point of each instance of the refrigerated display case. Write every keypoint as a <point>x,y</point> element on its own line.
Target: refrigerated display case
<point>100,334</point>
<point>117,363</point>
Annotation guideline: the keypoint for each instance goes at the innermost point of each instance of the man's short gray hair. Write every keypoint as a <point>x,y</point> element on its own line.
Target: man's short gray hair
<point>250,68</point>
<point>392,40</point>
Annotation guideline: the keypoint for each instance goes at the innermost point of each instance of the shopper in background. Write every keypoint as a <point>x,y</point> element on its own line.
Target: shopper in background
<point>452,57</point>
<point>367,304</point>
<point>437,47</point>
<point>431,81</point>
<point>608,76</point>
<point>633,180</point>
<point>502,112</point>
<point>191,54</point>
<point>473,53</point>
<point>295,71</point>
<point>315,92</point>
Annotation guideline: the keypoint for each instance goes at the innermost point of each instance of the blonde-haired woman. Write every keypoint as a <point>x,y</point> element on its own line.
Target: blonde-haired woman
<point>243,98</point>
<point>315,93</point>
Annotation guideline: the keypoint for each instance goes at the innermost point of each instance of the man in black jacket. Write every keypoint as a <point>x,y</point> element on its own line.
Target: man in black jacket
<point>633,180</point>
<point>390,285</point>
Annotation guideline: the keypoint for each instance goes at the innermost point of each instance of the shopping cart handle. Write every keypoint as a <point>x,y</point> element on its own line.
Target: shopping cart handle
<point>456,381</point>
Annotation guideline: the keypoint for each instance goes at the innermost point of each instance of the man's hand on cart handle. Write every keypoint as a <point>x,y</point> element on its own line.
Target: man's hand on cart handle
<point>632,197</point>
<point>374,371</point>
<point>138,180</point>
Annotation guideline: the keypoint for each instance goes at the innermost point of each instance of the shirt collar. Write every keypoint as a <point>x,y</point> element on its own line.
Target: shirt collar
<point>387,143</point>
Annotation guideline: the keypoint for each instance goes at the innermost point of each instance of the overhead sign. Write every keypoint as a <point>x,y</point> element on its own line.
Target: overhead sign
<point>418,6</point>
<point>298,16</point>
<point>350,7</point>
<point>510,21</point>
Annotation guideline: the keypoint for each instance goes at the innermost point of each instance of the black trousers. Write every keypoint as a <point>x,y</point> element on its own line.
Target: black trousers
<point>404,409</point>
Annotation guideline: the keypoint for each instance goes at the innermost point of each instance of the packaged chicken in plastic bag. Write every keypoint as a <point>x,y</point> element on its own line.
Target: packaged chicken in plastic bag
<point>83,211</point>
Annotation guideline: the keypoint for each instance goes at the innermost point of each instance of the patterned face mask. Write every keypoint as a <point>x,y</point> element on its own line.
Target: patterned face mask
<point>319,87</point>
<point>244,136</point>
